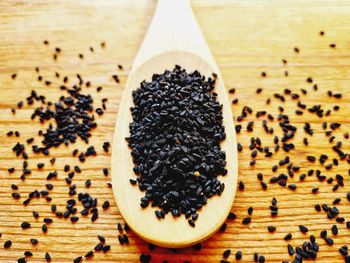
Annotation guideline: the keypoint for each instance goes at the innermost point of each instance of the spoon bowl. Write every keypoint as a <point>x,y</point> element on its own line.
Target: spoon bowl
<point>155,57</point>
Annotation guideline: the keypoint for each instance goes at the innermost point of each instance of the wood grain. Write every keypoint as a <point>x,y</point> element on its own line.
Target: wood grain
<point>246,38</point>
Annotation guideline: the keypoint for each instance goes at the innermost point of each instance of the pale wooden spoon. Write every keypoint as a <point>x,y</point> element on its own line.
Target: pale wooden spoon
<point>173,38</point>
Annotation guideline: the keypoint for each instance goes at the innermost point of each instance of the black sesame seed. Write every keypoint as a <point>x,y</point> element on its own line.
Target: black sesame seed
<point>303,229</point>
<point>34,241</point>
<point>98,247</point>
<point>271,229</point>
<point>223,227</point>
<point>25,225</point>
<point>291,250</point>
<point>7,244</point>
<point>106,248</point>
<point>334,230</point>
<point>89,254</point>
<point>246,220</point>
<point>47,257</point>
<point>226,253</point>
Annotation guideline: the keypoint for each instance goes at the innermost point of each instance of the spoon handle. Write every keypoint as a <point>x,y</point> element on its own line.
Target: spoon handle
<point>173,28</point>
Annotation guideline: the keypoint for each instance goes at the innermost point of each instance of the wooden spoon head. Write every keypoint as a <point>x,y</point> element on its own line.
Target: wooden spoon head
<point>170,232</point>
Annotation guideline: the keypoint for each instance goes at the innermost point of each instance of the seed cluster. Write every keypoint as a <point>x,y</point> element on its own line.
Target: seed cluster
<point>70,118</point>
<point>175,140</point>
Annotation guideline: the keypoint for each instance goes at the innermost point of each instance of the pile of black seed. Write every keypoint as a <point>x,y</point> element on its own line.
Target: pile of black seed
<point>175,139</point>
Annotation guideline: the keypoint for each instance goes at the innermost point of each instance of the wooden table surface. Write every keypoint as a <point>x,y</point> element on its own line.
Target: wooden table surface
<point>246,38</point>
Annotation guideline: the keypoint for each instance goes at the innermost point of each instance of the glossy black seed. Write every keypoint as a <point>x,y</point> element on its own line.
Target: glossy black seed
<point>48,220</point>
<point>271,229</point>
<point>47,257</point>
<point>145,258</point>
<point>25,225</point>
<point>261,259</point>
<point>231,215</point>
<point>125,239</point>
<point>246,220</point>
<point>106,248</point>
<point>8,244</point>
<point>241,185</point>
<point>89,254</point>
<point>34,241</point>
<point>98,247</point>
<point>77,260</point>
<point>16,195</point>
<point>329,241</point>
<point>238,255</point>
<point>28,253</point>
<point>323,233</point>
<point>105,205</point>
<point>334,230</point>
<point>288,237</point>
<point>315,190</point>
<point>303,229</point>
<point>223,227</point>
<point>226,253</point>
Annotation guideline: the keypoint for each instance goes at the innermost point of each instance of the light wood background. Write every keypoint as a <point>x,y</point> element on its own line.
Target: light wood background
<point>246,38</point>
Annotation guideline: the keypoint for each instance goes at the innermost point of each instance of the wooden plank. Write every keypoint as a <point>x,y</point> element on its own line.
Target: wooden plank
<point>246,38</point>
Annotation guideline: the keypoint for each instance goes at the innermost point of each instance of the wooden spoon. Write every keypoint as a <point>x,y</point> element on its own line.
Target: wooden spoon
<point>173,38</point>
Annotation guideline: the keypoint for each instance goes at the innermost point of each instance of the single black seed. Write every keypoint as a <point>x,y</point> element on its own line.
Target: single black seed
<point>34,241</point>
<point>288,237</point>
<point>105,205</point>
<point>238,255</point>
<point>98,247</point>
<point>271,229</point>
<point>329,241</point>
<point>291,250</point>
<point>47,257</point>
<point>145,258</point>
<point>106,248</point>
<point>250,210</point>
<point>246,220</point>
<point>25,225</point>
<point>231,215</point>
<point>78,259</point>
<point>303,229</point>
<point>7,244</point>
<point>226,253</point>
<point>223,227</point>
<point>334,230</point>
<point>89,254</point>
<point>28,254</point>
<point>48,220</point>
